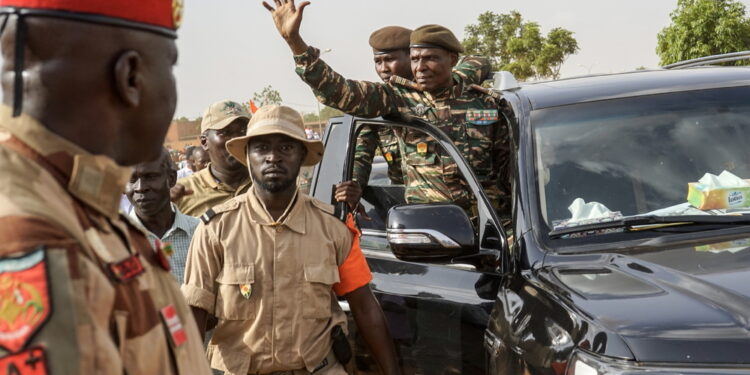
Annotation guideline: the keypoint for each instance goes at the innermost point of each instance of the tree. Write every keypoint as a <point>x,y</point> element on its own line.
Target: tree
<point>703,28</point>
<point>518,46</point>
<point>267,96</point>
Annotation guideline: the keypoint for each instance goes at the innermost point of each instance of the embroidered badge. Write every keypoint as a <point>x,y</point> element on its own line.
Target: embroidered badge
<point>246,290</point>
<point>25,303</point>
<point>126,269</point>
<point>173,322</point>
<point>422,148</point>
<point>161,256</point>
<point>419,109</point>
<point>482,116</point>
<point>168,249</point>
<point>29,362</point>
<point>388,156</point>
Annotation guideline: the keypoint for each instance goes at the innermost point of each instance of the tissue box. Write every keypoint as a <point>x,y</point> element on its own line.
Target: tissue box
<point>711,198</point>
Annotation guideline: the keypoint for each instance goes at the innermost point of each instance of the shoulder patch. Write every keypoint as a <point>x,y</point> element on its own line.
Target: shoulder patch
<point>325,207</point>
<point>485,91</point>
<point>27,302</point>
<point>229,205</point>
<point>401,81</point>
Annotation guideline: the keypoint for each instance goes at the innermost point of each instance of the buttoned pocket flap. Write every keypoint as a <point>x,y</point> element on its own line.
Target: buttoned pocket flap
<point>419,159</point>
<point>322,273</point>
<point>237,274</point>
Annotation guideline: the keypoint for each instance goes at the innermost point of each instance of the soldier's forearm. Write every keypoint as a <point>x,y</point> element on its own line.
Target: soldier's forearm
<point>296,44</point>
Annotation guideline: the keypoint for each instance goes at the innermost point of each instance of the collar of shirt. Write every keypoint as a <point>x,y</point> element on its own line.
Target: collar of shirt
<point>94,179</point>
<point>210,181</point>
<point>181,221</point>
<point>293,217</point>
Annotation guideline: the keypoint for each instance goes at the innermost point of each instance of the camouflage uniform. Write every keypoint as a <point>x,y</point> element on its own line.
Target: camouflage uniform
<point>473,69</point>
<point>469,115</point>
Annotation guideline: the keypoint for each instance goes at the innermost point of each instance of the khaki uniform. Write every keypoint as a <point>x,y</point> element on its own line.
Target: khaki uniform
<point>81,289</point>
<point>206,192</point>
<point>271,284</point>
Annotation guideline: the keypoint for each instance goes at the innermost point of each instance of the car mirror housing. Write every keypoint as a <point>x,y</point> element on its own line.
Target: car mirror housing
<point>431,233</point>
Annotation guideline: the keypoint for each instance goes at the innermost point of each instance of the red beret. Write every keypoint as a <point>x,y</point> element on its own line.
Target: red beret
<point>162,16</point>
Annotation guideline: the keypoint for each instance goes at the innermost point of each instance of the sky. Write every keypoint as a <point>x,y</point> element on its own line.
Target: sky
<point>230,49</point>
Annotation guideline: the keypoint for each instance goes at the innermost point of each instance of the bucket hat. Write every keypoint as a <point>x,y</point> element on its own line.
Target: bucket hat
<point>276,119</point>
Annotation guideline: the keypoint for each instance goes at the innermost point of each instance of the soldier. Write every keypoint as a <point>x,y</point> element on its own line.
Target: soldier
<point>469,114</point>
<point>225,177</point>
<point>267,264</point>
<point>390,48</point>
<point>87,88</point>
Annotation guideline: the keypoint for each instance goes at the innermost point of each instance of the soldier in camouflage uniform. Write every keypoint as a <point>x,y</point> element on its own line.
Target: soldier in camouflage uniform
<point>390,47</point>
<point>470,115</point>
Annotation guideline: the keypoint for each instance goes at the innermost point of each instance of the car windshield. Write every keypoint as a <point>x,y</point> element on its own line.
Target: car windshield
<point>606,160</point>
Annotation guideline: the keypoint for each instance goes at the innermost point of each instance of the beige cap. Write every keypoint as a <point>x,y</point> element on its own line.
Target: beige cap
<point>276,119</point>
<point>220,114</point>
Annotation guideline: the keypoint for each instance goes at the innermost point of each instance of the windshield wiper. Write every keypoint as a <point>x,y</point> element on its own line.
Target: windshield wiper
<point>630,223</point>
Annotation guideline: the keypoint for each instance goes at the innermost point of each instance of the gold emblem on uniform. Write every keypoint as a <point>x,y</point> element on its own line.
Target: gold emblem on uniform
<point>177,6</point>
<point>388,156</point>
<point>422,148</point>
<point>246,290</point>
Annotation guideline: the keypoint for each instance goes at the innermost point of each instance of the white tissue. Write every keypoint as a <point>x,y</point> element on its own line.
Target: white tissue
<point>725,179</point>
<point>592,210</point>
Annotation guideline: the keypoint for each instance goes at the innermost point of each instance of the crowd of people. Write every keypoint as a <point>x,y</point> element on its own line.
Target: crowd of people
<point>140,263</point>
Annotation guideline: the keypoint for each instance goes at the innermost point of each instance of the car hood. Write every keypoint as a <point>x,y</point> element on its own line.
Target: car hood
<point>682,304</point>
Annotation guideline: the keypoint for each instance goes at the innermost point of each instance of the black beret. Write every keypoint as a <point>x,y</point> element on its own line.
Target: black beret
<point>389,38</point>
<point>435,36</point>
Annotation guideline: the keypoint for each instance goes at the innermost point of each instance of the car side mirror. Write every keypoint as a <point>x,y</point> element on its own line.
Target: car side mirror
<point>428,233</point>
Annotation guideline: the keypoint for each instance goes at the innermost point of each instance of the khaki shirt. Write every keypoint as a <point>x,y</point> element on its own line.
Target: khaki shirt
<point>206,192</point>
<point>60,237</point>
<point>288,271</point>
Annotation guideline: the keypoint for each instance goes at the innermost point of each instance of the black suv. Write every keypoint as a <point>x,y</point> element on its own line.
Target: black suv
<point>605,269</point>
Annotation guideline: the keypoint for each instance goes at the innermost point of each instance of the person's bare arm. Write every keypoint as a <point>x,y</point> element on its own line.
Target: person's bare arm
<point>372,326</point>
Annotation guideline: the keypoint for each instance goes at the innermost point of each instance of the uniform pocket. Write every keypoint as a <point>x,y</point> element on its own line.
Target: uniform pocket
<point>236,298</point>
<point>480,148</point>
<point>318,290</point>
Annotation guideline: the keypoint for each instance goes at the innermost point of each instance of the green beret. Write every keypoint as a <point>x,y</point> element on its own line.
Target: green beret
<point>389,38</point>
<point>435,36</point>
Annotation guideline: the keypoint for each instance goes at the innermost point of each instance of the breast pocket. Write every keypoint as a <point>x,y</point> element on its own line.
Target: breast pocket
<point>480,147</point>
<point>318,290</point>
<point>236,299</point>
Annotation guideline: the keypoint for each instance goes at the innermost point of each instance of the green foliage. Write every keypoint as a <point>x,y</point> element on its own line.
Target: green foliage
<point>267,96</point>
<point>702,28</point>
<point>518,46</point>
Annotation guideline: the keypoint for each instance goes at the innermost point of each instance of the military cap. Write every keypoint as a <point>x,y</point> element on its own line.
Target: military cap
<point>435,36</point>
<point>389,38</point>
<point>222,113</point>
<point>160,16</point>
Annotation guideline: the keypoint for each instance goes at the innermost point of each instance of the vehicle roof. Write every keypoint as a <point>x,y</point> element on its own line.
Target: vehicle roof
<point>637,83</point>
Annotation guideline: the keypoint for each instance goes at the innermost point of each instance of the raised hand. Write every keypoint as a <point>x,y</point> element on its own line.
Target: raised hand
<point>287,17</point>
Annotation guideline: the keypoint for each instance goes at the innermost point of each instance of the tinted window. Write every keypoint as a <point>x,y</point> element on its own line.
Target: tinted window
<point>637,155</point>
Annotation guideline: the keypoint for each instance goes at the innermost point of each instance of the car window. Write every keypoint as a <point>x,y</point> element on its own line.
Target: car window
<point>600,161</point>
<point>379,160</point>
